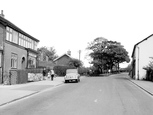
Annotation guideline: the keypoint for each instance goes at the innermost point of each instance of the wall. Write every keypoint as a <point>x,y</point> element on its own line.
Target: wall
<point>144,54</point>
<point>2,35</point>
<point>63,60</point>
<point>7,56</point>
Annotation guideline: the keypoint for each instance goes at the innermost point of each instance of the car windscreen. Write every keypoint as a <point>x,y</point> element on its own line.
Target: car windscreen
<point>71,71</point>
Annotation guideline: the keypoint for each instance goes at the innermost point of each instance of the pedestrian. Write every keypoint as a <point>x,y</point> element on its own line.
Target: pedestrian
<point>52,74</point>
<point>44,73</point>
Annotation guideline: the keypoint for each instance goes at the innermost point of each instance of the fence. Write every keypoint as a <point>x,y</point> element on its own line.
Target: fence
<point>18,76</point>
<point>22,76</point>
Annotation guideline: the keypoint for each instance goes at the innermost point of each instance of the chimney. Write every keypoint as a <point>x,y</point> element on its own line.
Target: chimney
<point>2,15</point>
<point>69,52</point>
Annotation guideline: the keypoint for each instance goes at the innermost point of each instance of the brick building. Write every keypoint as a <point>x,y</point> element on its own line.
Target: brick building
<point>64,59</point>
<point>18,49</point>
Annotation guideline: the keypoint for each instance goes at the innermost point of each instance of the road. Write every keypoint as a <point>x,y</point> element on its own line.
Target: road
<point>111,95</point>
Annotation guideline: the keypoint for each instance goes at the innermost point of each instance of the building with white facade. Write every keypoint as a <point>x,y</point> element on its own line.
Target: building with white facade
<point>141,56</point>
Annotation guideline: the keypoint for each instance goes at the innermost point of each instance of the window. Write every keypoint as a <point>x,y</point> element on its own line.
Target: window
<point>11,35</point>
<point>35,45</point>
<point>21,42</point>
<point>7,36</point>
<point>13,60</point>
<point>32,46</point>
<point>31,62</point>
<point>20,39</point>
<point>15,37</point>
<point>7,28</point>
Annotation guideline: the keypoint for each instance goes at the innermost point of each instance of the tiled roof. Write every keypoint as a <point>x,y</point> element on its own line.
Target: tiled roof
<point>62,56</point>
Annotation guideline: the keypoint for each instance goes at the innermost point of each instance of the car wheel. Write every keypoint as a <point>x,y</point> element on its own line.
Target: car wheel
<point>66,81</point>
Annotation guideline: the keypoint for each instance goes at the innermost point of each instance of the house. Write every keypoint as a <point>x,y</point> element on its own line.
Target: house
<point>141,56</point>
<point>18,49</point>
<point>63,59</point>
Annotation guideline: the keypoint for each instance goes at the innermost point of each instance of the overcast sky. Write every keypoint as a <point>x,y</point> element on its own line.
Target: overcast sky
<point>71,24</point>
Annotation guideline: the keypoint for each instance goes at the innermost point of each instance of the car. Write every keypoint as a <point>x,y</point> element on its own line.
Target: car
<point>72,75</point>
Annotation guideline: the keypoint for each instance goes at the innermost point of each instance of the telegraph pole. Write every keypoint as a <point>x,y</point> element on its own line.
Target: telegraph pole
<point>79,54</point>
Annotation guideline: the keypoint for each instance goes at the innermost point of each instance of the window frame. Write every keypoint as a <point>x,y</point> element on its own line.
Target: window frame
<point>14,60</point>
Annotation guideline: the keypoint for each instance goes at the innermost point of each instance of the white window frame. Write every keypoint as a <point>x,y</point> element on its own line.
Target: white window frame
<point>14,58</point>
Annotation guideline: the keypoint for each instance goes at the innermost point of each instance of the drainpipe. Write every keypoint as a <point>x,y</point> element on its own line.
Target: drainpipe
<point>3,53</point>
<point>138,62</point>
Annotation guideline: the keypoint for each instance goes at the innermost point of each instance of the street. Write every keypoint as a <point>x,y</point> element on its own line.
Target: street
<point>107,95</point>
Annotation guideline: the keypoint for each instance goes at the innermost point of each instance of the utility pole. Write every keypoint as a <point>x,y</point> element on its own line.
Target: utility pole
<point>79,54</point>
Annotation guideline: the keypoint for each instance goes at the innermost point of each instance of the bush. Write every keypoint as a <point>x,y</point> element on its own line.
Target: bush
<point>149,71</point>
<point>83,71</point>
<point>61,70</point>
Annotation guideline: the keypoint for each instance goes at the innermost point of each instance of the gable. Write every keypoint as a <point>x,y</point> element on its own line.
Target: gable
<point>139,43</point>
<point>61,57</point>
<point>63,60</point>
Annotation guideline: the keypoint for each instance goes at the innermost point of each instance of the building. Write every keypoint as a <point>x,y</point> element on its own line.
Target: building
<point>63,60</point>
<point>141,56</point>
<point>18,49</point>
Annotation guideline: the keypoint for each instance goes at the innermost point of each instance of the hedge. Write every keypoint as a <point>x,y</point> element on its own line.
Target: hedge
<point>61,70</point>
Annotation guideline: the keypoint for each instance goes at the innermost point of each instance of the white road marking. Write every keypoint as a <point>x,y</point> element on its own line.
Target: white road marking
<point>96,101</point>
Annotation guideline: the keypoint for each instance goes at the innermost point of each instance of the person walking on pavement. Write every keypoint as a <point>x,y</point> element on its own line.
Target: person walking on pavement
<point>44,73</point>
<point>52,74</point>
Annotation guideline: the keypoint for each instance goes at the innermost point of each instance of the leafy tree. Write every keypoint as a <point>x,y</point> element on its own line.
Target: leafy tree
<point>75,63</point>
<point>49,52</point>
<point>106,54</point>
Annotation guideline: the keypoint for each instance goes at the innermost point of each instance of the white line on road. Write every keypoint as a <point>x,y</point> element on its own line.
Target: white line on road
<point>96,101</point>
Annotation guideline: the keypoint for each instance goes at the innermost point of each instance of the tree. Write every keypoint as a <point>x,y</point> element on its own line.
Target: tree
<point>106,54</point>
<point>75,63</point>
<point>49,52</point>
<point>97,47</point>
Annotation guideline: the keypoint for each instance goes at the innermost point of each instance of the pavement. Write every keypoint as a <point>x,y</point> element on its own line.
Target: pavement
<point>11,93</point>
<point>147,86</point>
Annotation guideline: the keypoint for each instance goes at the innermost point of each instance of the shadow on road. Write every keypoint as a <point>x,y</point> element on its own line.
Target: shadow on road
<point>101,75</point>
<point>121,78</point>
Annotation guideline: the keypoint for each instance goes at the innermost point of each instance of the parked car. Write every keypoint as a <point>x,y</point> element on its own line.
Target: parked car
<point>72,75</point>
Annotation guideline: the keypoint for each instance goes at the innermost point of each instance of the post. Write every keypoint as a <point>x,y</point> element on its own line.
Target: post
<point>138,63</point>
<point>79,54</point>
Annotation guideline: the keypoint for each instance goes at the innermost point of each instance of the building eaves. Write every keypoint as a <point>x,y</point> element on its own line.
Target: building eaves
<point>139,43</point>
<point>31,50</point>
<point>6,22</point>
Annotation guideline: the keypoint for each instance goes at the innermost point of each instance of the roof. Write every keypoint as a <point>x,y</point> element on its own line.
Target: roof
<point>5,22</point>
<point>139,43</point>
<point>62,56</point>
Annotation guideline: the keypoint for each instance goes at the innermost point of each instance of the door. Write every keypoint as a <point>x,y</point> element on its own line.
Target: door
<point>23,65</point>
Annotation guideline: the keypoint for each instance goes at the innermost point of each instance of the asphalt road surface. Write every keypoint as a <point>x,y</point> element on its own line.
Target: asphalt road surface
<point>111,95</point>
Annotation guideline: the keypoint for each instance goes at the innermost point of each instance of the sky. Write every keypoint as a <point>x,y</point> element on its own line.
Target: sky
<point>72,24</point>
